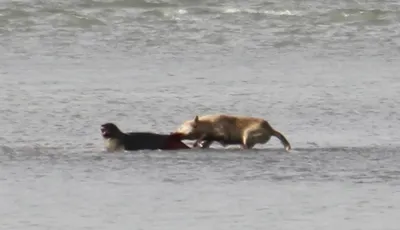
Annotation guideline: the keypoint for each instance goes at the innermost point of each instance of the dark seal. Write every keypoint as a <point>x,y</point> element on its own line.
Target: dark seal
<point>116,140</point>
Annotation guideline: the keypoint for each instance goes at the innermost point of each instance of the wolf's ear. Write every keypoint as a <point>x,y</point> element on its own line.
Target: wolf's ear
<point>196,119</point>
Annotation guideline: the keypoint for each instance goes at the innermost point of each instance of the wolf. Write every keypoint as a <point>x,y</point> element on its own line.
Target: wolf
<point>229,130</point>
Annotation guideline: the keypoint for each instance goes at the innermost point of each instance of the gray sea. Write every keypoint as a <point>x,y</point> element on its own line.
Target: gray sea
<point>325,73</point>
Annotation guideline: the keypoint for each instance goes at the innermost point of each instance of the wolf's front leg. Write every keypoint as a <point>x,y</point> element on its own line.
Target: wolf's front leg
<point>206,144</point>
<point>197,142</point>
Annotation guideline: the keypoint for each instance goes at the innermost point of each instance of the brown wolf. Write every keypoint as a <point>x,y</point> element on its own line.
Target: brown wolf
<point>229,130</point>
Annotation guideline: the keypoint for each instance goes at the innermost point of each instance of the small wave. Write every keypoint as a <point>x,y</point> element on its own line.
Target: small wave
<point>81,21</point>
<point>29,151</point>
<point>267,12</point>
<point>306,149</point>
<point>168,14</point>
<point>41,152</point>
<point>358,15</point>
<point>52,16</point>
<point>345,149</point>
<point>198,13</point>
<point>124,4</point>
<point>70,18</point>
<point>14,14</point>
<point>175,12</point>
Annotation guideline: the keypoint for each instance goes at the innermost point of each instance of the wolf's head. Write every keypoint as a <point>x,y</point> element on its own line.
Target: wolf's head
<point>193,129</point>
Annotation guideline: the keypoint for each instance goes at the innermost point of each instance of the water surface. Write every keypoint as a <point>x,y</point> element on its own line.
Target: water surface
<point>324,73</point>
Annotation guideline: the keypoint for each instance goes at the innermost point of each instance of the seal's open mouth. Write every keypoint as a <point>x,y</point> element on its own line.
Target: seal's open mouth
<point>104,132</point>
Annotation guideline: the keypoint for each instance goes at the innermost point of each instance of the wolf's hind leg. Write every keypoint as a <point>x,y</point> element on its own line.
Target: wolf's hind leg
<point>247,140</point>
<point>254,136</point>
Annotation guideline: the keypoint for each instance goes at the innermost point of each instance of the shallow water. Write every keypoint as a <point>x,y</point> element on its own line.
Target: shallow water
<point>321,188</point>
<point>323,73</point>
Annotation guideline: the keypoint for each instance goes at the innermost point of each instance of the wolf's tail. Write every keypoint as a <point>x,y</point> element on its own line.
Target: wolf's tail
<point>283,139</point>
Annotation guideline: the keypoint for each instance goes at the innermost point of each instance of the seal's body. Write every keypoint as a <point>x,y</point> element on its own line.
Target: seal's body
<point>116,140</point>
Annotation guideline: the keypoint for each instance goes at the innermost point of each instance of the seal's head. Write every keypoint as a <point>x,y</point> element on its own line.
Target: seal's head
<point>110,130</point>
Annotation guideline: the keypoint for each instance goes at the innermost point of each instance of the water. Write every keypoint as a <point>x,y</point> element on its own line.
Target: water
<point>324,73</point>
